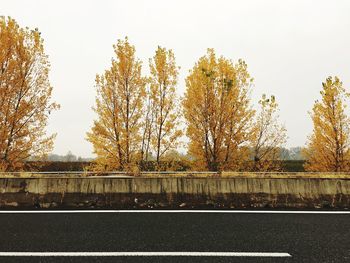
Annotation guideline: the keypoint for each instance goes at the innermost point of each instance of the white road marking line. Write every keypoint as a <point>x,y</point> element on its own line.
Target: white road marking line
<point>171,211</point>
<point>144,254</point>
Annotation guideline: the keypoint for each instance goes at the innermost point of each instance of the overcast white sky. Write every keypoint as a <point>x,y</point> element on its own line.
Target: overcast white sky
<point>290,48</point>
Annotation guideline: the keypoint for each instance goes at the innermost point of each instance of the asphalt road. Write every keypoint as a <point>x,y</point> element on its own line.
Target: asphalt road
<point>306,237</point>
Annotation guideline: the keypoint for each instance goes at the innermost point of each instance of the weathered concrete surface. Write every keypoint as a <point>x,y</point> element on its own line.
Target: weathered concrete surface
<point>180,192</point>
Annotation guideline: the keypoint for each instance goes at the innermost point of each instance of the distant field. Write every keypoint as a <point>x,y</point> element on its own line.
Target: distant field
<point>291,169</point>
<point>288,166</point>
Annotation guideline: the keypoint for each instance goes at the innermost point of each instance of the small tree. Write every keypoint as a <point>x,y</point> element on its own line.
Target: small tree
<point>70,157</point>
<point>165,104</point>
<point>25,94</point>
<point>269,136</point>
<point>218,113</point>
<point>120,90</point>
<point>328,149</point>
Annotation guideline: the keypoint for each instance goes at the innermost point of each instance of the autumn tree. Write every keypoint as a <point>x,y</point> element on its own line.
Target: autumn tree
<point>328,149</point>
<point>120,90</point>
<point>25,94</point>
<point>269,136</point>
<point>164,102</point>
<point>218,112</point>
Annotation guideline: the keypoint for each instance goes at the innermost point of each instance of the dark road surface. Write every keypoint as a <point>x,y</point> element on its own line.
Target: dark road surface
<point>306,237</point>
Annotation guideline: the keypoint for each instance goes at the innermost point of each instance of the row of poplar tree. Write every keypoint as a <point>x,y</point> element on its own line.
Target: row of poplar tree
<point>141,118</point>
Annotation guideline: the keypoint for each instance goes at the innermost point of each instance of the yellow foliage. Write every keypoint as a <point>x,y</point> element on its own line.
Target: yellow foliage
<point>120,91</point>
<point>25,94</point>
<point>269,136</point>
<point>218,113</point>
<point>328,147</point>
<point>165,104</point>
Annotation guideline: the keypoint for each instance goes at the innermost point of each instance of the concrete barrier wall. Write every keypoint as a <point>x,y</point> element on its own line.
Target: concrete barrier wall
<point>167,192</point>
